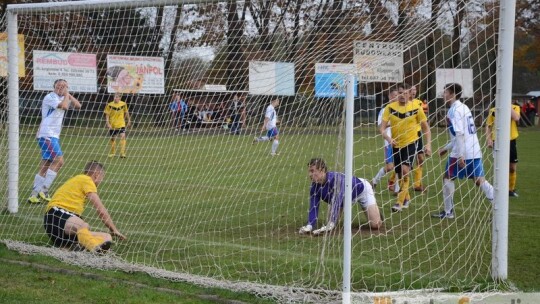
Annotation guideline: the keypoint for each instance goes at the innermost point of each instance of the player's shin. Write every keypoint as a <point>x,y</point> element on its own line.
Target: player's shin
<point>448,195</point>
<point>404,190</point>
<point>38,184</point>
<point>487,188</point>
<point>89,241</point>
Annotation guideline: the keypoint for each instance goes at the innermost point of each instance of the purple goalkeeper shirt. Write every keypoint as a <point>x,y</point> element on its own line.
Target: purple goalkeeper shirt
<point>331,192</point>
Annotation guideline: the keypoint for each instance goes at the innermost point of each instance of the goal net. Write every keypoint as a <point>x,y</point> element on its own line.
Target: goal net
<point>200,191</point>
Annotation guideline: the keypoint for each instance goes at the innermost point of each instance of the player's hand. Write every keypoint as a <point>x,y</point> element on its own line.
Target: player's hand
<point>490,143</point>
<point>305,229</point>
<point>128,124</point>
<point>442,152</point>
<point>393,142</point>
<point>324,229</point>
<point>118,235</point>
<point>427,150</point>
<point>461,162</point>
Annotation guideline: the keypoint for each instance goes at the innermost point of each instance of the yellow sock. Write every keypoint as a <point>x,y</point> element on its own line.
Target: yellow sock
<point>512,182</point>
<point>403,190</point>
<point>122,146</point>
<point>417,172</point>
<point>392,177</point>
<point>113,146</point>
<point>89,241</point>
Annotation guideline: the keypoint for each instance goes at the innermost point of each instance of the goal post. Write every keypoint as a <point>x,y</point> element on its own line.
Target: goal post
<point>203,187</point>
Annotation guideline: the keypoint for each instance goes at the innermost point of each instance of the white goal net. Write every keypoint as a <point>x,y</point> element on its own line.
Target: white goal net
<point>196,193</point>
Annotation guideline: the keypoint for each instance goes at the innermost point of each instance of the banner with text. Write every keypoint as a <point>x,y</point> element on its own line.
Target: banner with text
<point>77,68</point>
<point>271,78</point>
<point>4,55</point>
<point>330,79</point>
<point>135,74</point>
<point>464,77</point>
<point>378,61</point>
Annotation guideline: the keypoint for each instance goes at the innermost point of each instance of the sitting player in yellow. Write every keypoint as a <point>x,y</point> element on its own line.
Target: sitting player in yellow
<point>63,222</point>
<point>116,114</point>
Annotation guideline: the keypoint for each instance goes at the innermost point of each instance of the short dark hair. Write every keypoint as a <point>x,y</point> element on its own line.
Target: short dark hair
<point>454,88</point>
<point>93,167</point>
<point>57,81</point>
<point>318,163</point>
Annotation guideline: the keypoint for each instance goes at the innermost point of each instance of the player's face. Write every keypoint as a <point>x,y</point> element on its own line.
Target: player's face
<point>393,95</point>
<point>60,87</point>
<point>413,91</point>
<point>403,96</point>
<point>316,175</point>
<point>98,177</point>
<point>448,96</point>
<point>116,98</point>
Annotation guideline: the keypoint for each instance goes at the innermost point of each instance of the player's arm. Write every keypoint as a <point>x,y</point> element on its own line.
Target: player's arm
<point>427,134</point>
<point>515,114</point>
<point>74,101</point>
<point>265,123</point>
<point>459,141</point>
<point>104,214</point>
<point>385,135</point>
<point>107,120</point>
<point>127,117</point>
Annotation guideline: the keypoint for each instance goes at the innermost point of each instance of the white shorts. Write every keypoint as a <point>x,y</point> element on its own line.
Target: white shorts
<point>367,198</point>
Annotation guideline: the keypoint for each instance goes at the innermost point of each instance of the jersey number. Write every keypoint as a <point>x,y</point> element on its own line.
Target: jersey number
<point>470,123</point>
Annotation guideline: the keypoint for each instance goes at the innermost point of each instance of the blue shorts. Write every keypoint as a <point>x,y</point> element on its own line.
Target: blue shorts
<point>388,154</point>
<point>50,148</point>
<point>272,132</point>
<point>473,168</point>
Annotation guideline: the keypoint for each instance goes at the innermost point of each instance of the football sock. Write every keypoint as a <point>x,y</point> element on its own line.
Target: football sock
<point>404,190</point>
<point>417,172</point>
<point>392,177</point>
<point>448,194</point>
<point>123,146</point>
<point>488,190</point>
<point>89,241</point>
<point>113,146</point>
<point>49,178</point>
<point>512,182</point>
<point>379,175</point>
<point>38,184</point>
<point>275,144</point>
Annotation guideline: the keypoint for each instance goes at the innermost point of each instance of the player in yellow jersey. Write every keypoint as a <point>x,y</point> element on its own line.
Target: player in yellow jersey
<point>420,157</point>
<point>515,115</point>
<point>116,114</point>
<point>63,222</point>
<point>404,117</point>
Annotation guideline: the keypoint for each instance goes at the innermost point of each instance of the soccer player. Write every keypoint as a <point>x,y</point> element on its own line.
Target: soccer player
<point>270,126</point>
<point>53,108</point>
<point>515,116</point>
<point>465,159</point>
<point>404,117</point>
<point>116,114</point>
<point>388,153</point>
<point>62,221</point>
<point>420,157</point>
<point>330,187</point>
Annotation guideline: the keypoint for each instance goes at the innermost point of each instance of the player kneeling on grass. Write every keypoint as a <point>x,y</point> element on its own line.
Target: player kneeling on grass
<point>330,187</point>
<point>63,222</point>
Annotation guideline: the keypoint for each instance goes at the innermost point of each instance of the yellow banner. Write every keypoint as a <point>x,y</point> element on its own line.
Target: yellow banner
<point>4,58</point>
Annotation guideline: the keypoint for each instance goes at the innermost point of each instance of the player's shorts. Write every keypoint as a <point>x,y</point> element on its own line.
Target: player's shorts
<point>113,132</point>
<point>50,148</point>
<point>404,156</point>
<point>54,222</point>
<point>272,132</point>
<point>419,143</point>
<point>513,151</point>
<point>473,168</point>
<point>388,154</point>
<point>367,197</point>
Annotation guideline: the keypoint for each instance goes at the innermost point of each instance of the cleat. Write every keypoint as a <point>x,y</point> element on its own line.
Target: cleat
<point>396,208</point>
<point>44,196</point>
<point>123,156</point>
<point>373,184</point>
<point>112,155</point>
<point>274,154</point>
<point>420,189</point>
<point>406,204</point>
<point>34,200</point>
<point>443,215</point>
<point>103,248</point>
<point>254,141</point>
<point>513,194</point>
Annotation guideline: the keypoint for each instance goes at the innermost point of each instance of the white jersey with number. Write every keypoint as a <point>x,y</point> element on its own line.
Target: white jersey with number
<point>388,130</point>
<point>461,126</point>
<point>51,116</point>
<point>272,117</point>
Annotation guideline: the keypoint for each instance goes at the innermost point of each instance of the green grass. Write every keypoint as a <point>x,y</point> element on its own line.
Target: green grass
<point>217,206</point>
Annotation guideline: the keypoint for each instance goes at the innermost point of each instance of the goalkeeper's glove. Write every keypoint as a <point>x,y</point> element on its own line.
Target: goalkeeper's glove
<point>324,229</point>
<point>305,229</point>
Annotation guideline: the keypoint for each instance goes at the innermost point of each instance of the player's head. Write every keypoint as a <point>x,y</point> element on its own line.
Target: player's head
<point>403,93</point>
<point>95,170</point>
<point>317,170</point>
<point>117,97</point>
<point>59,86</point>
<point>393,93</point>
<point>413,91</point>
<point>275,102</point>
<point>452,91</point>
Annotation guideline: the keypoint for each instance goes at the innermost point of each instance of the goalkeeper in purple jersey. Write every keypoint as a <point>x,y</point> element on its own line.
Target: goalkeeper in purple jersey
<point>330,188</point>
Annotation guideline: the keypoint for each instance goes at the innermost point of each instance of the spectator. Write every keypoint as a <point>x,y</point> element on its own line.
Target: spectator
<point>237,108</point>
<point>531,111</point>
